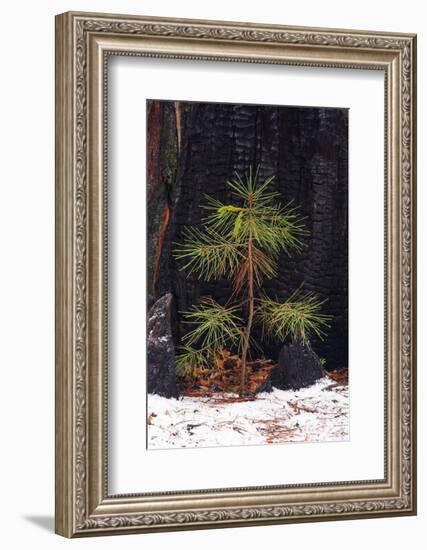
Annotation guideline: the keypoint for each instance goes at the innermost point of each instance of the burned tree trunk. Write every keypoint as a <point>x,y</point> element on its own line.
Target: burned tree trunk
<point>201,145</point>
<point>163,138</point>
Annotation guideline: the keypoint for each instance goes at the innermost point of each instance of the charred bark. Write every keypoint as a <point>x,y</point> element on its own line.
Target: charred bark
<point>297,368</point>
<point>161,377</point>
<point>201,145</point>
<point>162,161</point>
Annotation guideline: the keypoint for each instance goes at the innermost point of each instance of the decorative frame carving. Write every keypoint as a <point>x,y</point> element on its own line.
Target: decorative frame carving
<point>83,42</point>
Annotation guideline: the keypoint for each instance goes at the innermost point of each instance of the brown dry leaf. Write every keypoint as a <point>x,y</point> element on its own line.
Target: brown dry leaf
<point>219,363</point>
<point>340,376</point>
<point>150,420</point>
<point>224,375</point>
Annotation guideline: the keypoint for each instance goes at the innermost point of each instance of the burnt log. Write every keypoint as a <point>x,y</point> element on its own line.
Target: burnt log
<point>298,367</point>
<point>161,378</point>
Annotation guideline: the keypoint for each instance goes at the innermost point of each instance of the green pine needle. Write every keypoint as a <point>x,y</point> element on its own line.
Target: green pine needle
<point>215,325</point>
<point>188,359</point>
<point>274,227</point>
<point>299,317</point>
<point>208,253</point>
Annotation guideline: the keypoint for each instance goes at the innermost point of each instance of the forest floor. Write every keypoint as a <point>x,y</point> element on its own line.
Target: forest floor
<point>317,413</point>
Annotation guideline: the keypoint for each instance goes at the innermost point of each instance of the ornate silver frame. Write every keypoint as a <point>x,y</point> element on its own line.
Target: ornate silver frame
<point>83,505</point>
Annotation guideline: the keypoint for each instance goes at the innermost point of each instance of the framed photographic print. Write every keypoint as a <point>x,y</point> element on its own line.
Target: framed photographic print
<point>235,274</point>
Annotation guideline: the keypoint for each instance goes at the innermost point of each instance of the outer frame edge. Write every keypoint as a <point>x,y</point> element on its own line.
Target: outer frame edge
<point>64,509</point>
<point>64,382</point>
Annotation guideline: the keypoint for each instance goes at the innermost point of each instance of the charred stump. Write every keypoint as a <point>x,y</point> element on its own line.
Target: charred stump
<point>161,377</point>
<point>298,367</point>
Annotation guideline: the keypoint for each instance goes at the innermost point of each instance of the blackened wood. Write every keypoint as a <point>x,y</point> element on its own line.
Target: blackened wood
<point>161,378</point>
<point>298,367</point>
<point>307,150</point>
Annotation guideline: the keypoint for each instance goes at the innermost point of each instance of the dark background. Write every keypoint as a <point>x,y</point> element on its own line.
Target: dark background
<point>193,148</point>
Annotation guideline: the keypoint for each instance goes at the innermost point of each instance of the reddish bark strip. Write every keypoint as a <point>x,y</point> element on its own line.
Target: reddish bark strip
<point>160,241</point>
<point>155,119</point>
<point>178,117</point>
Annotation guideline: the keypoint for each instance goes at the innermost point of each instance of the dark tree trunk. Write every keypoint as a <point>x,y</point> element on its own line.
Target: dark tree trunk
<point>306,148</point>
<point>162,159</point>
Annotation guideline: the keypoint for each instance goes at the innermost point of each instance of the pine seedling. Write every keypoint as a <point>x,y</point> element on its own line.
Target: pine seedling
<point>242,242</point>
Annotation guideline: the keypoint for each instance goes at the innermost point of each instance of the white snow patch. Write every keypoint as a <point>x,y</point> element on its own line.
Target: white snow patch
<point>317,413</point>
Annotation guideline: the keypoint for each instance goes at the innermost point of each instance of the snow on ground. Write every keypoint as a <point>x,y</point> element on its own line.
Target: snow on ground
<point>317,413</point>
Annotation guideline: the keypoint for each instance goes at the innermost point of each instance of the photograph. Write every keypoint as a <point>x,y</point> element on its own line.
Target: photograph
<point>235,271</point>
<point>247,274</point>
